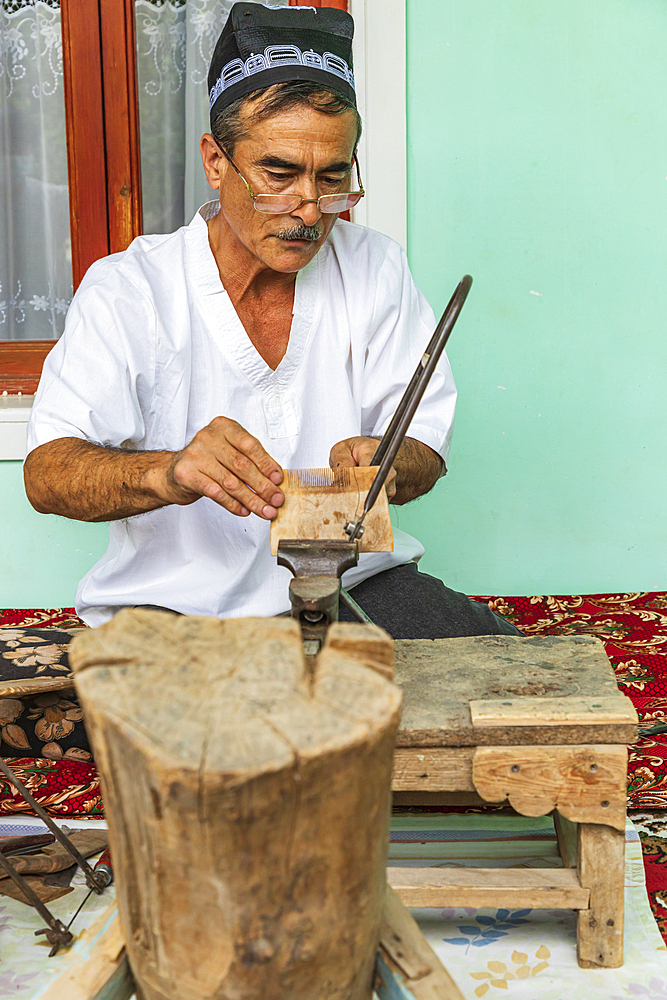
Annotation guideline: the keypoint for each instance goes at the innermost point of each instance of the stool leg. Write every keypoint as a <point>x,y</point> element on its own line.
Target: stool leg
<point>601,868</point>
<point>566,834</point>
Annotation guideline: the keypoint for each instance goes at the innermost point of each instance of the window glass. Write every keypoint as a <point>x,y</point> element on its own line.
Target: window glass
<point>175,42</point>
<point>35,252</point>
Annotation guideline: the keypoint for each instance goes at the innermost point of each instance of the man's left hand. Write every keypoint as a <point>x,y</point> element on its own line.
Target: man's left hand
<point>416,468</point>
<point>359,451</point>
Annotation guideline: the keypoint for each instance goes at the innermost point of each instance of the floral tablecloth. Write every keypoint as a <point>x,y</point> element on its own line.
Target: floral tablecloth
<point>521,954</point>
<point>525,954</point>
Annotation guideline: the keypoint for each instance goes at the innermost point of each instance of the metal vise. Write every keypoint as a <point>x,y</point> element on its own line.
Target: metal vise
<point>315,589</point>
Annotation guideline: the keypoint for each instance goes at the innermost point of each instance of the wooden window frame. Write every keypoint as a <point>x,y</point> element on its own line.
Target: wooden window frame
<point>103,157</point>
<point>380,73</point>
<point>103,153</point>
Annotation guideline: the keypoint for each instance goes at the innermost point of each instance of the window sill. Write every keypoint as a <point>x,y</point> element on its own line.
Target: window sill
<point>14,416</point>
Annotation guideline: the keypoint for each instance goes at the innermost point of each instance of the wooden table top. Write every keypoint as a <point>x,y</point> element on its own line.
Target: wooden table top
<point>507,690</point>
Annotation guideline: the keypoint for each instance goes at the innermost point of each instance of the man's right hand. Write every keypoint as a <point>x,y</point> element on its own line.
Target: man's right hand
<point>225,463</point>
<point>88,482</point>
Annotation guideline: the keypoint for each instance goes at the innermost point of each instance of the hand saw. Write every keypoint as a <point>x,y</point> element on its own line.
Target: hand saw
<point>393,437</point>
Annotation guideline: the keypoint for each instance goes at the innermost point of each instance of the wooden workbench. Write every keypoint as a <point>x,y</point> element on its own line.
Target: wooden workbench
<point>540,723</point>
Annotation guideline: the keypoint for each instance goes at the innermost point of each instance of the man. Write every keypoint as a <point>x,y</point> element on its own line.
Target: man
<point>265,335</point>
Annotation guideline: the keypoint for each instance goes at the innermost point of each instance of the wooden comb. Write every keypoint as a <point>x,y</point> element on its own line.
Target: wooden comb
<point>320,502</point>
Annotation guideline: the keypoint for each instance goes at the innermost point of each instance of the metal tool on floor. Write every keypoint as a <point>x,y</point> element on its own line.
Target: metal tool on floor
<point>54,857</point>
<point>61,879</point>
<point>29,844</point>
<point>653,730</point>
<point>56,932</point>
<point>104,873</point>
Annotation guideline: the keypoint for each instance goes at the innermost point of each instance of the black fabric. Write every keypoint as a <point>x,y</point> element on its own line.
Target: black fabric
<point>413,605</point>
<point>34,652</point>
<point>260,46</point>
<point>41,725</point>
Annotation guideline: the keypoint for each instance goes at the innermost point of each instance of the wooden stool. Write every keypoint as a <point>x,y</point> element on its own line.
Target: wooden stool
<point>536,721</point>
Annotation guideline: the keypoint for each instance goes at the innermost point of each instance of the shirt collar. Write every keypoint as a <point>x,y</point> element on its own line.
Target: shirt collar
<point>206,212</point>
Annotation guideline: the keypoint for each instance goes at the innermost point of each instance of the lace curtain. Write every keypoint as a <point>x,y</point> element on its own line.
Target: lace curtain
<point>35,252</point>
<point>175,41</point>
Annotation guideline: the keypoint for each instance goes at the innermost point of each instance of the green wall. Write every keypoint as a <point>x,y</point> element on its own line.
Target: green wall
<point>537,162</point>
<point>537,158</point>
<point>42,557</point>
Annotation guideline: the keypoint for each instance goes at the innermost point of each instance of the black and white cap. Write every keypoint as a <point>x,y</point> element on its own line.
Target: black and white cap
<point>261,45</point>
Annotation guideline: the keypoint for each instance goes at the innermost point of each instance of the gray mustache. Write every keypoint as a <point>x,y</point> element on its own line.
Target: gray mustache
<point>302,232</point>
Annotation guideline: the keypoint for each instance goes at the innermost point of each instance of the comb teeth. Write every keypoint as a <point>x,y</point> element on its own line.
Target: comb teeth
<point>318,479</point>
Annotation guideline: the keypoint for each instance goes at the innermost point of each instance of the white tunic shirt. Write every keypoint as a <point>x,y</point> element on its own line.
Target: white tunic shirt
<point>153,350</point>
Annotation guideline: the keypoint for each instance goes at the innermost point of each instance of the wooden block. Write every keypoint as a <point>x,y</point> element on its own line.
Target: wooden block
<point>96,968</point>
<point>567,837</point>
<point>470,799</point>
<point>433,770</point>
<point>601,866</point>
<point>319,502</point>
<point>369,644</point>
<point>248,799</point>
<point>585,783</point>
<point>396,942</point>
<point>591,711</point>
<point>537,888</point>
<point>408,954</point>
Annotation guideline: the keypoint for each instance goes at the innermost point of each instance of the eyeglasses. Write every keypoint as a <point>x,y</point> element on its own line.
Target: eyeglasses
<point>284,204</point>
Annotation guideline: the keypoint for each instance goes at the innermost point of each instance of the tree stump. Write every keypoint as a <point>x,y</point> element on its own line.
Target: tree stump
<point>248,802</point>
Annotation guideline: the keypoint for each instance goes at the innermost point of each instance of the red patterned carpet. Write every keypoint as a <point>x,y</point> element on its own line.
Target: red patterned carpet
<point>62,787</point>
<point>633,628</point>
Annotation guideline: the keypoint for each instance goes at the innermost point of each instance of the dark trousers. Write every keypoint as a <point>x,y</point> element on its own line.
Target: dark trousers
<point>413,605</point>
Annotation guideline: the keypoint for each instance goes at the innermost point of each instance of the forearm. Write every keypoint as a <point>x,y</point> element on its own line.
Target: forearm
<point>418,469</point>
<point>86,482</point>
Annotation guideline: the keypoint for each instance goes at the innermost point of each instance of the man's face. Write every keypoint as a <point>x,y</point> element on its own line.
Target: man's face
<point>302,152</point>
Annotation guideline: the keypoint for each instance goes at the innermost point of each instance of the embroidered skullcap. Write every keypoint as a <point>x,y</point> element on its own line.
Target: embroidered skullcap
<point>261,45</point>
